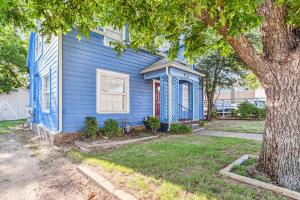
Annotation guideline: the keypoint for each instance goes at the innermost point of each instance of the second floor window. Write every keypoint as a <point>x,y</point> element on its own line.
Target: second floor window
<point>112,34</point>
<point>38,46</point>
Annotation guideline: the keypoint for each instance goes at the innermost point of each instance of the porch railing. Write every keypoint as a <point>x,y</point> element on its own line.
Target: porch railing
<point>186,116</point>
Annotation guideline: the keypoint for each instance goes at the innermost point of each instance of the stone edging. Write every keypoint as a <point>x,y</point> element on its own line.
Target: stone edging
<point>102,182</point>
<point>274,188</point>
<point>112,144</point>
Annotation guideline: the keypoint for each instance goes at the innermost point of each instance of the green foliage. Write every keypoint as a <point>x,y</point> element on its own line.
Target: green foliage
<point>91,127</point>
<point>202,123</point>
<point>251,81</point>
<point>234,113</point>
<point>247,109</point>
<point>13,70</point>
<point>154,123</point>
<point>151,23</point>
<point>221,72</point>
<point>261,113</point>
<point>180,129</point>
<point>111,128</point>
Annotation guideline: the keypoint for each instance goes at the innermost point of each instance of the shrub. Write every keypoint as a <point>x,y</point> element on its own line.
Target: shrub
<point>180,129</point>
<point>111,128</point>
<point>91,127</point>
<point>246,109</point>
<point>234,113</point>
<point>154,123</point>
<point>201,123</point>
<point>215,113</point>
<point>261,113</point>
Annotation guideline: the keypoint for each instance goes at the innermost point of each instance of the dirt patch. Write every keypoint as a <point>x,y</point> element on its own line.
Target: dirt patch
<point>30,169</point>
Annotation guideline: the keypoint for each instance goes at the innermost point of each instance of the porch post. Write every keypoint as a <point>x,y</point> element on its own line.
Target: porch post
<point>169,98</point>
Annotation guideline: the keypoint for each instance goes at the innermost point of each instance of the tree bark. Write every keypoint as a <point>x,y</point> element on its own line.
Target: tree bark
<point>280,153</point>
<point>210,99</point>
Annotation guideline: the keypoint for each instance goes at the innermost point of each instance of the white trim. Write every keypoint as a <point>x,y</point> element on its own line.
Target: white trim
<point>60,84</point>
<point>43,74</point>
<point>164,63</point>
<point>153,94</point>
<point>98,86</point>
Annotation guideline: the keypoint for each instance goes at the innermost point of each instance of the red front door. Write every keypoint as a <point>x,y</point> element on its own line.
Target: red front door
<point>157,99</point>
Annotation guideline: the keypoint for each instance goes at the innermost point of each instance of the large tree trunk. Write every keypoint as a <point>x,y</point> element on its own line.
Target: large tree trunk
<point>280,153</point>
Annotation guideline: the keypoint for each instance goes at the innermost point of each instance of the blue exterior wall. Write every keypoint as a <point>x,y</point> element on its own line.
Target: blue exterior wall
<point>80,61</point>
<point>48,60</point>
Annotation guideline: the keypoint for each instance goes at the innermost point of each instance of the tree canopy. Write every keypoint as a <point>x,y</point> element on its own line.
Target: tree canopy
<point>203,23</point>
<point>221,72</point>
<point>13,52</point>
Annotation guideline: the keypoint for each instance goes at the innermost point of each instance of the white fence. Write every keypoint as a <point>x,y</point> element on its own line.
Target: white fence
<point>225,106</point>
<point>13,105</point>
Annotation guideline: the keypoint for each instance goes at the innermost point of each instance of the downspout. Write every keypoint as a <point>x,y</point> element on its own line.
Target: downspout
<point>169,96</point>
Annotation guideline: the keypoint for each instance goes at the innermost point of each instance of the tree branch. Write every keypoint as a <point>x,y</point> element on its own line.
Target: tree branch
<point>242,46</point>
<point>274,31</point>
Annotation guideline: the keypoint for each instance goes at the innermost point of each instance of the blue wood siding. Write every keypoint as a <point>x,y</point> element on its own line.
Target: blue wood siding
<point>80,61</point>
<point>47,61</point>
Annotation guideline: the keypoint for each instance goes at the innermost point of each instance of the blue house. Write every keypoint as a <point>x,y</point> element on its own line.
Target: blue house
<point>71,79</point>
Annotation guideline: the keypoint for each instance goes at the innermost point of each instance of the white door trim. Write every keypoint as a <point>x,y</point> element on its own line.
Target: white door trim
<point>153,95</point>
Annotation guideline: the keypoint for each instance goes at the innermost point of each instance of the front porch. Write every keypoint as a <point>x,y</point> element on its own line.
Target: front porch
<point>177,91</point>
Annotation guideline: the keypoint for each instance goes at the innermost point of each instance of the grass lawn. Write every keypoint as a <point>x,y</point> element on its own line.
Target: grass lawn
<point>243,126</point>
<point>6,125</point>
<point>182,167</point>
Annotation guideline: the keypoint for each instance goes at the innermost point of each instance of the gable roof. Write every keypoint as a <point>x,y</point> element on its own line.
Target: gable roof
<point>164,62</point>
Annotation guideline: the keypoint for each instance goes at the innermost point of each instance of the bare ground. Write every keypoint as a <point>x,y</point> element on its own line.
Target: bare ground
<point>29,169</point>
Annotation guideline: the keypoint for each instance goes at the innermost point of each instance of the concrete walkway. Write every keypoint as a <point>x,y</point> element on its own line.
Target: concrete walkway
<point>249,136</point>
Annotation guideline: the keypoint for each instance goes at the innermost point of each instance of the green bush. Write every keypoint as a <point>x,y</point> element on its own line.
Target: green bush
<point>180,129</point>
<point>154,123</point>
<point>234,113</point>
<point>91,127</point>
<point>111,128</point>
<point>202,123</point>
<point>247,109</point>
<point>261,113</point>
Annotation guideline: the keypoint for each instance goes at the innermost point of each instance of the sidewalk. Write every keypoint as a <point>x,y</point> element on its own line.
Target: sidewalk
<point>249,136</point>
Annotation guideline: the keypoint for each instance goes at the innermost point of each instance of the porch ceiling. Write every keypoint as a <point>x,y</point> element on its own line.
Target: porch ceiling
<point>163,63</point>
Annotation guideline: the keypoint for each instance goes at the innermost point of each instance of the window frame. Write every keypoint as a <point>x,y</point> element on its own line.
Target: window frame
<point>108,36</point>
<point>185,99</point>
<point>44,75</point>
<point>126,77</point>
<point>38,50</point>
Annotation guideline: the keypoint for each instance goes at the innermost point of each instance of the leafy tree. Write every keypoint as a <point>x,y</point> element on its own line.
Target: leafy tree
<point>219,72</point>
<point>227,22</point>
<point>251,81</point>
<point>13,70</point>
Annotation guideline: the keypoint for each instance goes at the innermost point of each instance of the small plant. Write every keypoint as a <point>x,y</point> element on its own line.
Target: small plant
<point>154,123</point>
<point>261,113</point>
<point>111,128</point>
<point>234,113</point>
<point>180,129</point>
<point>202,123</point>
<point>91,127</point>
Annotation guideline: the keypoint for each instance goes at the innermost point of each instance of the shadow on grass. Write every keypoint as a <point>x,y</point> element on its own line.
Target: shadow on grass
<point>185,167</point>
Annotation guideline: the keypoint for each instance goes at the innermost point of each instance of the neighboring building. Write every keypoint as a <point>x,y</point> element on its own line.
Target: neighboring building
<point>71,79</point>
<point>13,105</point>
<point>240,92</point>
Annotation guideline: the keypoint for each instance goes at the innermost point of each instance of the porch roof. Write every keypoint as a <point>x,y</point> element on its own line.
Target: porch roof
<point>163,63</point>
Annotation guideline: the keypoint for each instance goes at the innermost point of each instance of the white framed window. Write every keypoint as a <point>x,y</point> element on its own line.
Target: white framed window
<point>46,92</point>
<point>112,92</point>
<point>111,34</point>
<point>38,46</point>
<point>185,96</point>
